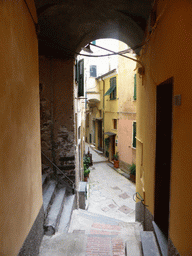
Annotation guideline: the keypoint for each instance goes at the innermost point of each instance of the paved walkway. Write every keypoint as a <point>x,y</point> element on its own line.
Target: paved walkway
<point>97,158</point>
<point>109,193</point>
<point>106,236</point>
<point>107,224</point>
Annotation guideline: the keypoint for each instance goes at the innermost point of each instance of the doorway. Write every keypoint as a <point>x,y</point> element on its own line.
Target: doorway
<point>163,154</point>
<point>100,135</point>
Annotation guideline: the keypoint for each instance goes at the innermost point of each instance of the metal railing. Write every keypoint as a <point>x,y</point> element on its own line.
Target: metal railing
<point>72,185</point>
<point>139,197</point>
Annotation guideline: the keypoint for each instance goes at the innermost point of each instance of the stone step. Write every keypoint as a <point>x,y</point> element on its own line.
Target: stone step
<point>64,245</point>
<point>67,167</point>
<point>48,195</point>
<point>67,158</point>
<point>44,177</point>
<point>65,219</point>
<point>161,239</point>
<point>54,213</point>
<point>133,248</point>
<point>149,244</point>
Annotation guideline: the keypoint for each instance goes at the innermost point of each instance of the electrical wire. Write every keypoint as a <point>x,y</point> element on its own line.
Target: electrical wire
<point>113,53</point>
<point>118,54</point>
<point>35,23</point>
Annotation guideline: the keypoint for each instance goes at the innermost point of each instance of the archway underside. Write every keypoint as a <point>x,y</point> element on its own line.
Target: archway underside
<point>66,26</point>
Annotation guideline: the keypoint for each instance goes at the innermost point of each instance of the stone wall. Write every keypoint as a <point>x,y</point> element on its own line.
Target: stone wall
<point>57,115</point>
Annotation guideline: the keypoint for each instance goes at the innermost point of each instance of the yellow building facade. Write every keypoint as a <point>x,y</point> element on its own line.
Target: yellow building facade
<point>20,157</point>
<point>111,117</point>
<point>107,114</point>
<point>127,99</point>
<point>164,140</point>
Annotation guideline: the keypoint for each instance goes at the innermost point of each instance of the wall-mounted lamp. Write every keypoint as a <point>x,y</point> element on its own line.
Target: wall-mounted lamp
<point>87,48</point>
<point>141,70</point>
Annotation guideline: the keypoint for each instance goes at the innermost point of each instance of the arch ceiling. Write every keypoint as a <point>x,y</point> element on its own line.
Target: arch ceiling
<point>67,25</point>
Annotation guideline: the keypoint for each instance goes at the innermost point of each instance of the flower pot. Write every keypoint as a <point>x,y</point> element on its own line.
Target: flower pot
<point>132,177</point>
<point>86,177</point>
<point>116,163</point>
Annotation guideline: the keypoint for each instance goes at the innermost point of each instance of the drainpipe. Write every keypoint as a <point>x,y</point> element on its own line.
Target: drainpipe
<point>103,128</point>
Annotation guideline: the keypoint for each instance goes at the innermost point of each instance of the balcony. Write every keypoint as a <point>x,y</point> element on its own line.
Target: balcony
<point>93,98</point>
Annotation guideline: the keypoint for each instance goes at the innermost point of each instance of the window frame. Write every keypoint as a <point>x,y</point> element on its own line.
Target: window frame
<point>135,88</point>
<point>80,78</point>
<point>91,71</point>
<point>134,134</point>
<point>113,94</point>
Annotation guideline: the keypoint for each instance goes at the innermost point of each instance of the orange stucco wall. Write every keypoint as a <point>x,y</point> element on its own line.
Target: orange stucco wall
<point>20,168</point>
<point>169,54</point>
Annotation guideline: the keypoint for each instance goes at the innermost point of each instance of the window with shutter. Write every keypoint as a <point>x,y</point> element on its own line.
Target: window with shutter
<point>135,88</point>
<point>80,78</point>
<point>76,71</point>
<point>113,88</point>
<point>134,135</point>
<point>93,70</point>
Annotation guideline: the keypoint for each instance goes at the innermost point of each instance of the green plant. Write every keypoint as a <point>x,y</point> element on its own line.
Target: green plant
<point>107,153</point>
<point>107,141</point>
<point>86,172</point>
<point>132,168</point>
<point>116,156</point>
<point>86,161</point>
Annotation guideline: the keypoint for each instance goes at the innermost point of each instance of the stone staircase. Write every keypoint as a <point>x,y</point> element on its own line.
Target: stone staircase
<point>93,234</point>
<point>88,232</point>
<point>154,242</point>
<point>58,202</point>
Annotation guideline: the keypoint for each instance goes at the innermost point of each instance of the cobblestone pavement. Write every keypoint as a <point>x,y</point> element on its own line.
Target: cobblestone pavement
<point>105,236</point>
<point>110,217</point>
<point>110,193</point>
<point>108,222</point>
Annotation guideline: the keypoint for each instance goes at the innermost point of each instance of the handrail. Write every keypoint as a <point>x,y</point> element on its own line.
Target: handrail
<point>138,196</point>
<point>65,175</point>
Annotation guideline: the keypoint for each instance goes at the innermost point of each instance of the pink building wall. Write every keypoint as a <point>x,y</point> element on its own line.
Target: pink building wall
<point>125,140</point>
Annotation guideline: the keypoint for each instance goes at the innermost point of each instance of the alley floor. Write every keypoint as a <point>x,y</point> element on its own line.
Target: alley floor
<point>107,224</point>
<point>110,193</point>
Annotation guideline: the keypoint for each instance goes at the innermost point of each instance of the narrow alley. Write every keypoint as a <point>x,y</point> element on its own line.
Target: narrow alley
<point>110,193</point>
<point>107,227</point>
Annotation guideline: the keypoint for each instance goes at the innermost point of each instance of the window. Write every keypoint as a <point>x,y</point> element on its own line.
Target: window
<point>93,70</point>
<point>135,88</point>
<point>79,132</point>
<point>90,138</point>
<point>80,78</point>
<point>113,88</point>
<point>134,135</point>
<point>115,124</point>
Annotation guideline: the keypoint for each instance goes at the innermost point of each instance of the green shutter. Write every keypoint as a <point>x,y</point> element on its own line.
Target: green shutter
<point>76,71</point>
<point>81,78</point>
<point>113,85</point>
<point>135,88</point>
<point>134,134</point>
<point>110,90</point>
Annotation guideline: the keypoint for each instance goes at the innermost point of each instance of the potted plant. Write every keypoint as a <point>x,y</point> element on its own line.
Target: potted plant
<point>86,162</point>
<point>86,173</point>
<point>107,141</point>
<point>116,160</point>
<point>132,169</point>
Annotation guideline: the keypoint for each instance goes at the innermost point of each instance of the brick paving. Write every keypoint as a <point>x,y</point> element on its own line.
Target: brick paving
<point>104,240</point>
